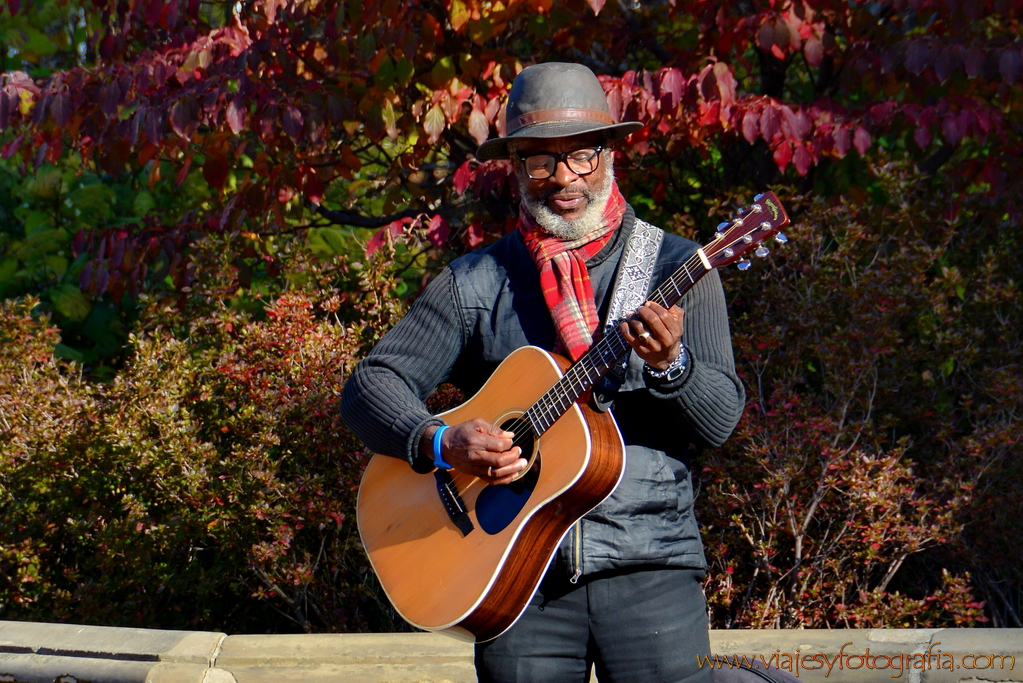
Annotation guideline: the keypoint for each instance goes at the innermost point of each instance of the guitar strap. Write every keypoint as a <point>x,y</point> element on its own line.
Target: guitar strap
<point>631,286</point>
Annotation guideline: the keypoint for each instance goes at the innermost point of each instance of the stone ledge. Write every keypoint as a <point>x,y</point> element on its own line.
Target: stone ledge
<point>63,653</point>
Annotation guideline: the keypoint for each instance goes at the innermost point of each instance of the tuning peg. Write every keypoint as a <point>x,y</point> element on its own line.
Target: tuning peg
<point>781,238</point>
<point>762,251</point>
<point>723,225</point>
<point>728,252</point>
<point>757,198</point>
<point>744,264</point>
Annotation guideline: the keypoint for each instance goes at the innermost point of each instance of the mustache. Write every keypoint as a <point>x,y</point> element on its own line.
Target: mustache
<point>567,191</point>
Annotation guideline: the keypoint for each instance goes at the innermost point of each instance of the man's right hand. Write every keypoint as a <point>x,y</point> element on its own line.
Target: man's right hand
<point>478,448</point>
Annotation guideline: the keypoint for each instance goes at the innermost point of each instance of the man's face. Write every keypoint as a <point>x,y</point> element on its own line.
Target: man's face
<point>566,204</point>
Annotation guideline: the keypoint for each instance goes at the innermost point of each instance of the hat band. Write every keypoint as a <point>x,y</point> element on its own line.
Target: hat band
<point>553,115</point>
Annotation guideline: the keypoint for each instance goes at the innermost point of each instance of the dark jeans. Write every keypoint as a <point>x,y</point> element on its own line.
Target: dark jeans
<point>644,624</point>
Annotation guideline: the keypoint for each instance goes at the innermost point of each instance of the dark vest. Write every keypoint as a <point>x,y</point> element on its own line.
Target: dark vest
<point>649,518</point>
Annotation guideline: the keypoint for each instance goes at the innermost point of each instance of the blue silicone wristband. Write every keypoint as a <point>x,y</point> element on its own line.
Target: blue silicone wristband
<point>438,458</point>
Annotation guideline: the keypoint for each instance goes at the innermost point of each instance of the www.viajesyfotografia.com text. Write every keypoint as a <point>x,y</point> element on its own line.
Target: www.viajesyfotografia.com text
<point>894,664</point>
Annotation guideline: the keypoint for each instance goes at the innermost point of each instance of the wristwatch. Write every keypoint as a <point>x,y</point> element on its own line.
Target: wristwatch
<point>673,371</point>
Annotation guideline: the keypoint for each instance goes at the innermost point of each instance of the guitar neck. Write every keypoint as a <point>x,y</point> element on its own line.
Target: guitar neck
<point>730,245</point>
<point>603,355</point>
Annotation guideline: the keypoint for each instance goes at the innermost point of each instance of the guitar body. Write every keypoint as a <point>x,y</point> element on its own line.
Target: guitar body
<point>478,583</point>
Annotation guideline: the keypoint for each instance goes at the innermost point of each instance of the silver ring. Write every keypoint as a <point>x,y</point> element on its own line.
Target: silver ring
<point>644,335</point>
<point>490,471</point>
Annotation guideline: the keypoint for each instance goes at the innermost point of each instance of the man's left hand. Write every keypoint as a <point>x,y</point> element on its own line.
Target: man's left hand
<point>654,332</point>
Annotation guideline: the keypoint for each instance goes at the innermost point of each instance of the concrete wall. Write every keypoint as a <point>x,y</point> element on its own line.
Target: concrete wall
<point>63,653</point>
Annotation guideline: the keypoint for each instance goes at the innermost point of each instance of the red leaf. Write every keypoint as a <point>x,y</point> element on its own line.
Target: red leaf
<point>615,103</point>
<point>437,231</point>
<point>182,117</point>
<point>672,85</point>
<point>215,170</point>
<point>1008,65</point>
<point>393,229</point>
<point>782,39</point>
<point>813,50</point>
<point>169,15</point>
<point>922,135</point>
<point>765,36</point>
<point>474,235</point>
<point>950,129</point>
<point>293,122</point>
<point>153,12</point>
<point>709,112</point>
<point>462,177</point>
<point>802,160</point>
<point>154,126</point>
<point>783,155</point>
<point>770,122</point>
<point>183,172</point>
<point>11,147</point>
<point>974,62</point>
<point>947,62</point>
<point>861,140</point>
<point>966,119</point>
<point>707,83</point>
<point>85,277</point>
<point>917,56</point>
<point>236,111</point>
<point>61,108</point>
<point>313,187</point>
<point>147,153</point>
<point>726,84</point>
<point>479,128</point>
<point>751,125</point>
<point>109,98</point>
<point>802,125</point>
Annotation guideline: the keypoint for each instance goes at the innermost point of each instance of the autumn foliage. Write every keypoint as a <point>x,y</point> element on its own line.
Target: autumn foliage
<point>209,211</point>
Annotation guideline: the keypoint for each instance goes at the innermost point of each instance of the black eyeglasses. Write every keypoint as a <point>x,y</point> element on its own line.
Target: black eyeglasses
<point>582,162</point>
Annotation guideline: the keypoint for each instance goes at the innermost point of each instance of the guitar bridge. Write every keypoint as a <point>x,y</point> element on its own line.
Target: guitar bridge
<point>453,502</point>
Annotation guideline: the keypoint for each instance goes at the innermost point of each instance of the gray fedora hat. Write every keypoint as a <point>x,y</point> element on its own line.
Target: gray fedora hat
<point>555,100</point>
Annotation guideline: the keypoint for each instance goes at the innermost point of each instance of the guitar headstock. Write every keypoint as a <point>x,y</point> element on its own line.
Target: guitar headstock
<point>734,240</point>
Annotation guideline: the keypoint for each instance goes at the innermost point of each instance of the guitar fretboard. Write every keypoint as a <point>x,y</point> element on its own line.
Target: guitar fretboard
<point>603,355</point>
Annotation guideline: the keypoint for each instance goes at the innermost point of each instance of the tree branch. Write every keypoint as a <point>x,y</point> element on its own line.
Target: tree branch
<point>360,221</point>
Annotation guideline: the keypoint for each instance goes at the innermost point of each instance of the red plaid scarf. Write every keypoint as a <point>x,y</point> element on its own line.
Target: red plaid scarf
<point>564,277</point>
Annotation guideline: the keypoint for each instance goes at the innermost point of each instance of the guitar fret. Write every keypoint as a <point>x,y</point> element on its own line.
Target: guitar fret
<point>603,355</point>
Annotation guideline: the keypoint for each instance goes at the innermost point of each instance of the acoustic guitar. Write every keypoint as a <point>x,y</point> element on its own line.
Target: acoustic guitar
<point>453,552</point>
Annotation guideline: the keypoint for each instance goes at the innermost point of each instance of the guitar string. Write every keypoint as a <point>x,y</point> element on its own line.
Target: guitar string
<point>544,403</point>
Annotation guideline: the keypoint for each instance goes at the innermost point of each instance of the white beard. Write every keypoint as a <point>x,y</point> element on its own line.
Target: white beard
<point>558,226</point>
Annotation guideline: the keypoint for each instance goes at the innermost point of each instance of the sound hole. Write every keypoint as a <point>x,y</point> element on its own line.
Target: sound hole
<point>497,506</point>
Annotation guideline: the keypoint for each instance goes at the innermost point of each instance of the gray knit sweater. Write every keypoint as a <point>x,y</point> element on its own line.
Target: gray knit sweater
<point>488,303</point>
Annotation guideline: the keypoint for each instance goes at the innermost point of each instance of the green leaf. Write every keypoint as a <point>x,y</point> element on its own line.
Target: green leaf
<point>404,71</point>
<point>385,73</point>
<point>65,352</point>
<point>37,221</point>
<point>70,302</point>
<point>443,72</point>
<point>144,203</point>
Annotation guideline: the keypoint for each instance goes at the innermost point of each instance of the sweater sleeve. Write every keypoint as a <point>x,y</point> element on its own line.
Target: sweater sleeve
<point>382,401</point>
<point>708,397</point>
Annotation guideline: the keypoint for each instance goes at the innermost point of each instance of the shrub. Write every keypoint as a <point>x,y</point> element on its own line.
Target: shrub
<point>881,353</point>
